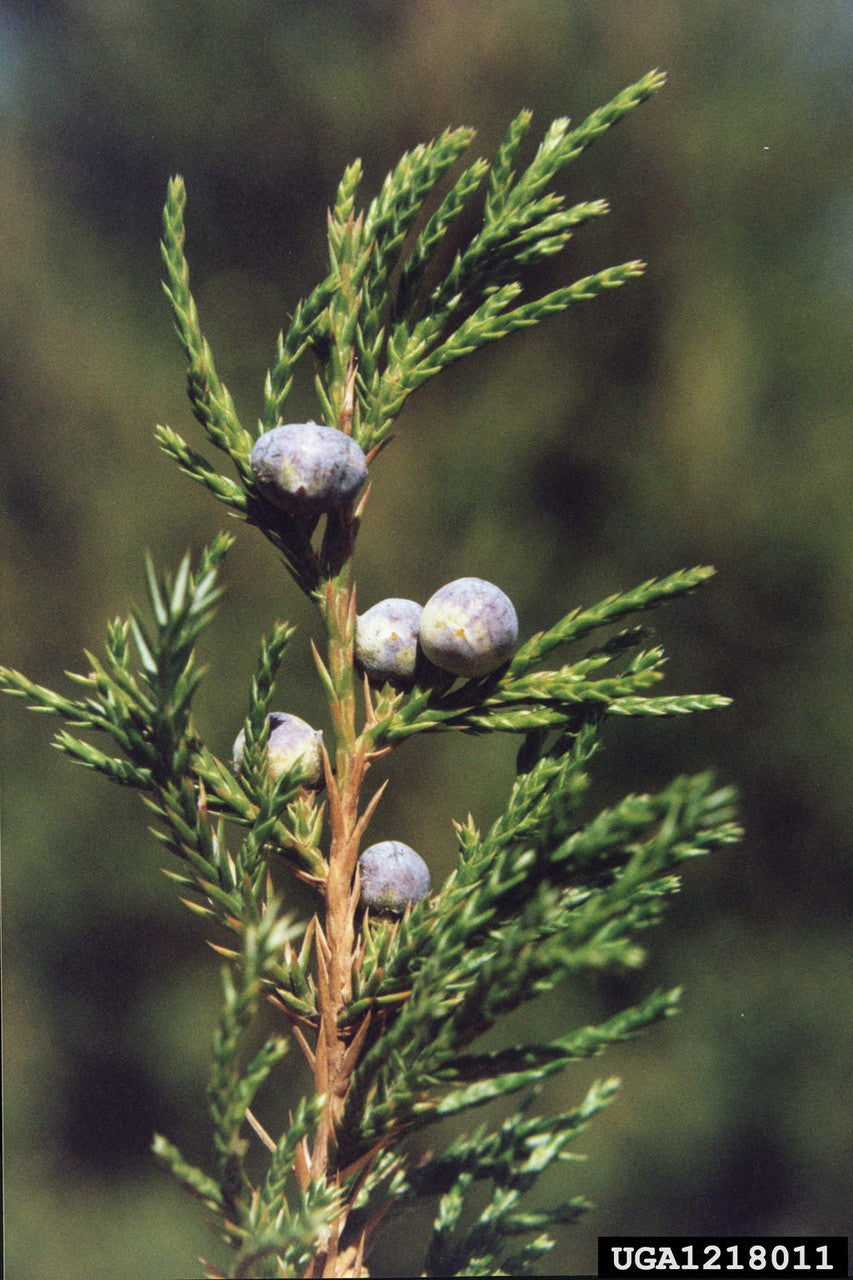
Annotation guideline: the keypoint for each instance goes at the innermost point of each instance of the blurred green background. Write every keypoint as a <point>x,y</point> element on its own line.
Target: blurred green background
<point>702,414</point>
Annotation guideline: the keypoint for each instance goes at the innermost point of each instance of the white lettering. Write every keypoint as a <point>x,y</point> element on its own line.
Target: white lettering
<point>667,1260</point>
<point>629,1253</point>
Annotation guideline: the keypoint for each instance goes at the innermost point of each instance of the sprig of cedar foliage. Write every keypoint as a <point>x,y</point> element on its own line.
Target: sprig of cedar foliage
<point>388,1015</point>
<point>397,339</point>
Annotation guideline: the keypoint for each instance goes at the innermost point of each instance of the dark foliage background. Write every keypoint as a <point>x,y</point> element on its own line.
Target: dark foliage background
<point>700,415</point>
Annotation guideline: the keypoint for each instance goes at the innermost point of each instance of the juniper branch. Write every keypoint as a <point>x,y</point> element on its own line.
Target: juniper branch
<point>388,1012</point>
<point>547,907</point>
<point>233,1082</point>
<point>580,622</point>
<point>211,401</point>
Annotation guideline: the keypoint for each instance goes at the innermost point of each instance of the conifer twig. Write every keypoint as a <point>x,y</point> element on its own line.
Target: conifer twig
<point>387,990</point>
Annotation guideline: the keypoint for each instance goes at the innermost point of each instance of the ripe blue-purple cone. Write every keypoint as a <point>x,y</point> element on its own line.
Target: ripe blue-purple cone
<point>290,740</point>
<point>307,469</point>
<point>392,876</point>
<point>469,627</point>
<point>386,640</point>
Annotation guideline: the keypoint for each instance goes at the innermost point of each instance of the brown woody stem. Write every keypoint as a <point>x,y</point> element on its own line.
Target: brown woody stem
<point>337,1047</point>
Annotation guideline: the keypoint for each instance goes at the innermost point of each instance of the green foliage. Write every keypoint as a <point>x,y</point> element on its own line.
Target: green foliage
<point>539,897</point>
<point>512,1158</point>
<point>387,1013</point>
